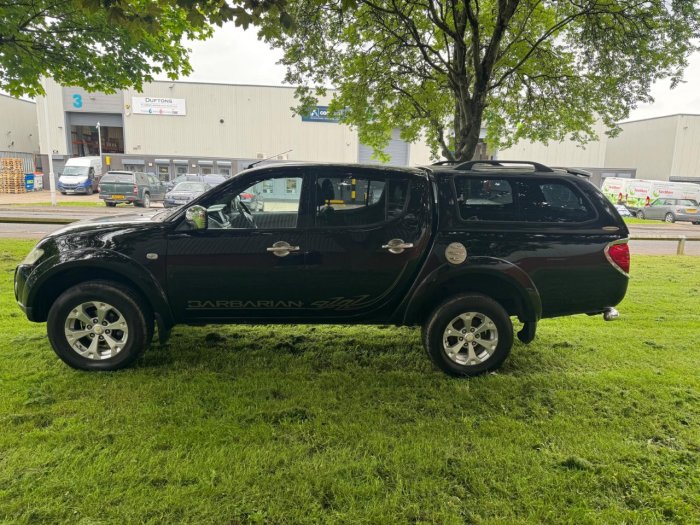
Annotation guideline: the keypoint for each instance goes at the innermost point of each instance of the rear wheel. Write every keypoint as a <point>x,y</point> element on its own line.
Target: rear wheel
<point>146,202</point>
<point>89,190</point>
<point>99,325</point>
<point>669,218</point>
<point>468,335</point>
<point>110,204</point>
<point>640,215</point>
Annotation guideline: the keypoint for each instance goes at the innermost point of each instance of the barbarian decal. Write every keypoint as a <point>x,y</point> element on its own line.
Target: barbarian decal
<point>234,304</point>
<point>335,303</point>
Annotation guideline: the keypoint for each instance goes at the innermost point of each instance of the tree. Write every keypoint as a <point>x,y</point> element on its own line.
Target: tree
<point>110,44</point>
<point>525,69</point>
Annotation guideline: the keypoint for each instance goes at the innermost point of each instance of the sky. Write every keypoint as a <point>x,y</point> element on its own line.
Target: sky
<point>235,56</point>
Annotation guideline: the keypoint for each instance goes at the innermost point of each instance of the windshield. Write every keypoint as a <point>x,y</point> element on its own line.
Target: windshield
<point>117,177</point>
<point>75,170</point>
<point>190,186</point>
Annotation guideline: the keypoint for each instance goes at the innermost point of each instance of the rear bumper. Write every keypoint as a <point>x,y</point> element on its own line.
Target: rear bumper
<point>127,198</point>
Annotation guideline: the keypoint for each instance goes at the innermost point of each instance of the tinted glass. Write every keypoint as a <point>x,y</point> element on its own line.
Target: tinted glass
<point>118,177</point>
<point>358,201</point>
<point>493,199</point>
<point>552,201</point>
<point>485,199</point>
<point>190,186</point>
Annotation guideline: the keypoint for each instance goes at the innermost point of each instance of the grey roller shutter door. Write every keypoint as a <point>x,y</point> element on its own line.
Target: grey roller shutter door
<point>90,119</point>
<point>397,149</point>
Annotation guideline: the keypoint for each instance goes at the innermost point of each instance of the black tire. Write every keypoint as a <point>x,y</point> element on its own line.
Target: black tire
<point>133,311</point>
<point>669,218</point>
<point>437,323</point>
<point>696,222</point>
<point>89,190</point>
<point>110,204</point>
<point>640,215</point>
<point>146,202</point>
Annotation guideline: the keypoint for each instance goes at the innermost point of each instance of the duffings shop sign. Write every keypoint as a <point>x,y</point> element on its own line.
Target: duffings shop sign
<point>158,106</point>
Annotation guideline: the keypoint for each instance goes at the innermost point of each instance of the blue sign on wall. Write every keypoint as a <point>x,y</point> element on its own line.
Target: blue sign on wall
<point>319,114</point>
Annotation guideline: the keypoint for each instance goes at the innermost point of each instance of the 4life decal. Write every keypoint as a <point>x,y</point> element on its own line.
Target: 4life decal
<point>335,303</point>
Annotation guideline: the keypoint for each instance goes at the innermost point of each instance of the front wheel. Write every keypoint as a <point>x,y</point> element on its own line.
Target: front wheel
<point>640,215</point>
<point>468,335</point>
<point>99,325</point>
<point>89,190</point>
<point>669,218</point>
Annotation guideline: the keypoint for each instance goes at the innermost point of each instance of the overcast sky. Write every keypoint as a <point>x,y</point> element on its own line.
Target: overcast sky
<point>235,56</point>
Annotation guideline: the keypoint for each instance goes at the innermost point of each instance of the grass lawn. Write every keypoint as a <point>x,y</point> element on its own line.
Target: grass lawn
<point>593,422</point>
<point>87,204</point>
<point>634,220</point>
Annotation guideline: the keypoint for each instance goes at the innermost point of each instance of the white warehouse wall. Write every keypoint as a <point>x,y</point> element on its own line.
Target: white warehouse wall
<point>566,153</point>
<point>18,126</point>
<point>649,145</point>
<point>686,155</point>
<point>256,120</point>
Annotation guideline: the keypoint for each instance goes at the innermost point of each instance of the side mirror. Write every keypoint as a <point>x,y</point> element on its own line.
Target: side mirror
<point>196,217</point>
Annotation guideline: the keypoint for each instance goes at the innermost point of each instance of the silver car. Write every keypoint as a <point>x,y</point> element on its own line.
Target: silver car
<point>671,210</point>
<point>184,192</point>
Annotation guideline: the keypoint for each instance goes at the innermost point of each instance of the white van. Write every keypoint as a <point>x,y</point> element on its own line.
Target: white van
<point>80,175</point>
<point>639,192</point>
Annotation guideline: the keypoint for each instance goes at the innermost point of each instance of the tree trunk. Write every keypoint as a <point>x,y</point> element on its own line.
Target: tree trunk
<point>467,128</point>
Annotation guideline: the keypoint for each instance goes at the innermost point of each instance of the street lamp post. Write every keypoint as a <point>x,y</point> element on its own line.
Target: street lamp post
<point>99,141</point>
<point>49,151</point>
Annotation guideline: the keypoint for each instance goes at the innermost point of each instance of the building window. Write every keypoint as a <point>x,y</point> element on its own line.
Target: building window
<point>181,170</point>
<point>292,185</point>
<point>268,186</point>
<point>225,172</point>
<point>205,171</point>
<point>164,172</point>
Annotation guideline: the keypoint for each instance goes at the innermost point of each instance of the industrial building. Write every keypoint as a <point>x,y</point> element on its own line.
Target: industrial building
<point>19,133</point>
<point>173,128</point>
<point>662,148</point>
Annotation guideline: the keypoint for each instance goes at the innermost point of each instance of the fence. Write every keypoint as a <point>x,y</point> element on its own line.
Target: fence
<point>680,239</point>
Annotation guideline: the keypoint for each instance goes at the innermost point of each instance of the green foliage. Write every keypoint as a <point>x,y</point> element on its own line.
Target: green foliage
<point>592,423</point>
<point>109,45</point>
<point>525,69</point>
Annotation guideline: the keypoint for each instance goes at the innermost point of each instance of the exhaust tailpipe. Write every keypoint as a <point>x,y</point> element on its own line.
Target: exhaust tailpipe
<point>610,314</point>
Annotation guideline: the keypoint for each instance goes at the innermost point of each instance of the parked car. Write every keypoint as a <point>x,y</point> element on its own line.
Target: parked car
<point>184,192</point>
<point>212,179</point>
<point>455,249</point>
<point>131,187</point>
<point>671,210</point>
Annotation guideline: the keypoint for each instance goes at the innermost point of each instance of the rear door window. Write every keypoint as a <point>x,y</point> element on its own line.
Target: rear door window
<point>349,200</point>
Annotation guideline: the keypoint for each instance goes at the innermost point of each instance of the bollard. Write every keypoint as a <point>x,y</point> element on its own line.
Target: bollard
<point>681,245</point>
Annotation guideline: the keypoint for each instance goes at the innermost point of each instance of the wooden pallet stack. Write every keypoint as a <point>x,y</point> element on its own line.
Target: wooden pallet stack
<point>11,176</point>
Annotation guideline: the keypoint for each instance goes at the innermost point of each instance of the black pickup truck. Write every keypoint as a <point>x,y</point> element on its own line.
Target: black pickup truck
<point>458,249</point>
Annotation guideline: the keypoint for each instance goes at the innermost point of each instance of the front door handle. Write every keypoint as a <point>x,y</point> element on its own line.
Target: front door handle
<point>397,246</point>
<point>282,248</point>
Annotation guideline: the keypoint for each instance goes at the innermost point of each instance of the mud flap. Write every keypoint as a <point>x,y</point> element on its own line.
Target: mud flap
<point>527,334</point>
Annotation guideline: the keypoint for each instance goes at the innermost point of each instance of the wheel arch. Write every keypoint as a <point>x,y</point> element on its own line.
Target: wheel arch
<point>505,285</point>
<point>66,275</point>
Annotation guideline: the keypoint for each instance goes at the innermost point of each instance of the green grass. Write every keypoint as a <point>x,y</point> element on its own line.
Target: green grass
<point>634,220</point>
<point>592,423</point>
<point>60,203</point>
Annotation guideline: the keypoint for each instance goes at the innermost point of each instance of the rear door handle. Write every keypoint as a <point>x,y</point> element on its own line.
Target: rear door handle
<point>282,248</point>
<point>397,246</point>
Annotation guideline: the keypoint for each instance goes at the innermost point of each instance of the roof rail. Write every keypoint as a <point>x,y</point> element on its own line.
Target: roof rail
<point>445,162</point>
<point>574,171</point>
<point>470,164</point>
